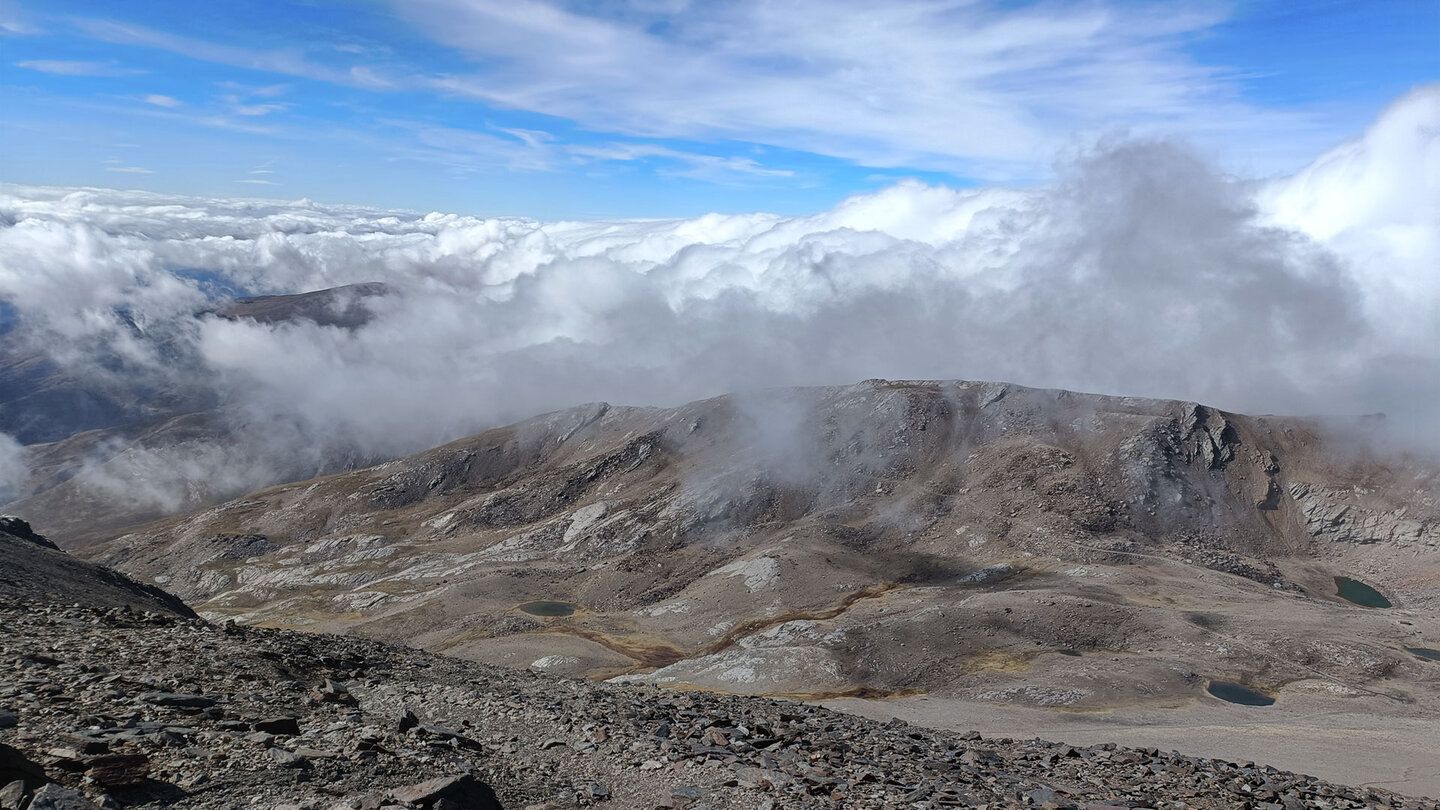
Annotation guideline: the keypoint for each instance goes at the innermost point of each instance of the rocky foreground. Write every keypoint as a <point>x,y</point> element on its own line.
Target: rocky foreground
<point>111,707</point>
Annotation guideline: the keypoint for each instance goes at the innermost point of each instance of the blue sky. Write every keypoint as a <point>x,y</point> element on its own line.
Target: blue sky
<point>669,107</point>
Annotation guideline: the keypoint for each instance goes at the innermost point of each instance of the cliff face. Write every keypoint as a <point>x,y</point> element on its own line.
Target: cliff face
<point>971,539</point>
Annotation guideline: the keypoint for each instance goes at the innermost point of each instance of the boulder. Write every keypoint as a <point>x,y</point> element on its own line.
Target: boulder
<point>54,797</point>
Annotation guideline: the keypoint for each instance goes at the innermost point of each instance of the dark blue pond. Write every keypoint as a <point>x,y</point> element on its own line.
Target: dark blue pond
<point>1235,693</point>
<point>1353,590</point>
<point>548,609</point>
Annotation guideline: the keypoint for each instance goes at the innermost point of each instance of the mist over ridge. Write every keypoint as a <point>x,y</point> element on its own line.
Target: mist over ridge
<point>1142,271</point>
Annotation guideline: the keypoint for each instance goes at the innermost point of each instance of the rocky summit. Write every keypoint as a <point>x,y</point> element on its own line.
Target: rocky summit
<point>118,708</point>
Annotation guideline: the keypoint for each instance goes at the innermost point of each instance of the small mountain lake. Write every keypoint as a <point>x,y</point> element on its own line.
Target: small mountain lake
<point>547,609</point>
<point>1235,693</point>
<point>1424,652</point>
<point>1353,590</point>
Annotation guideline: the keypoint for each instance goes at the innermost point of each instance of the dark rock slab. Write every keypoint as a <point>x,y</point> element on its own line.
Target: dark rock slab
<point>462,792</point>
<point>277,725</point>
<point>117,770</point>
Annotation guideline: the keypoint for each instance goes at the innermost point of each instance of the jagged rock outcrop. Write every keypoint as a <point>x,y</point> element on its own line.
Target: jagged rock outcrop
<point>1338,516</point>
<point>20,529</point>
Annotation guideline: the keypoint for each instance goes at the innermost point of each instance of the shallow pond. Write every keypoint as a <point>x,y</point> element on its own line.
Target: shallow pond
<point>1424,652</point>
<point>1353,590</point>
<point>1235,693</point>
<point>548,609</point>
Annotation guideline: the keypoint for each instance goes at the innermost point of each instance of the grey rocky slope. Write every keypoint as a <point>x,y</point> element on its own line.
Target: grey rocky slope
<point>969,540</point>
<point>121,709</point>
<point>34,570</point>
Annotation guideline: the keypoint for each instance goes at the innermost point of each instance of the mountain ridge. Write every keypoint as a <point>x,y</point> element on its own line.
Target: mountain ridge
<point>885,537</point>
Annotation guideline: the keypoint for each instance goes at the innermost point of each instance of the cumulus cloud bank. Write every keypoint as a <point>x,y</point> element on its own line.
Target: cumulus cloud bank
<point>1141,271</point>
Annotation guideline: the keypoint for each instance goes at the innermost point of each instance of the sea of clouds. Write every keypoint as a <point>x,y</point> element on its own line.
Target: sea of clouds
<point>1141,270</point>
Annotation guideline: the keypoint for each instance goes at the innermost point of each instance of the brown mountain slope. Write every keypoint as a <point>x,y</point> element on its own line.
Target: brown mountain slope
<point>975,540</point>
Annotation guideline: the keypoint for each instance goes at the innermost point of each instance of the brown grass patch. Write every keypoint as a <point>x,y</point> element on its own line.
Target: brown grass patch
<point>646,654</point>
<point>996,661</point>
<point>759,625</point>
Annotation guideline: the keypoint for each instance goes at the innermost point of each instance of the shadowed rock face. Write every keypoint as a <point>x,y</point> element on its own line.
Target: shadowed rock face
<point>950,537</point>
<point>34,571</point>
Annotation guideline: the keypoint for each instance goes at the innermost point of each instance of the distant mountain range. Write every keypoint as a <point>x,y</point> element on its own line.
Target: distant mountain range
<point>91,431</point>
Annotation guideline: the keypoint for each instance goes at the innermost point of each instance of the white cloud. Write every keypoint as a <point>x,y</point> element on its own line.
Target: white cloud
<point>285,62</point>
<point>163,101</point>
<point>463,150</point>
<point>129,169</point>
<point>257,109</point>
<point>237,105</point>
<point>978,88</point>
<point>1377,199</point>
<point>984,89</point>
<point>221,122</point>
<point>1142,271</point>
<point>714,168</point>
<point>16,28</point>
<point>256,182</point>
<point>255,91</point>
<point>14,22</point>
<point>76,68</point>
